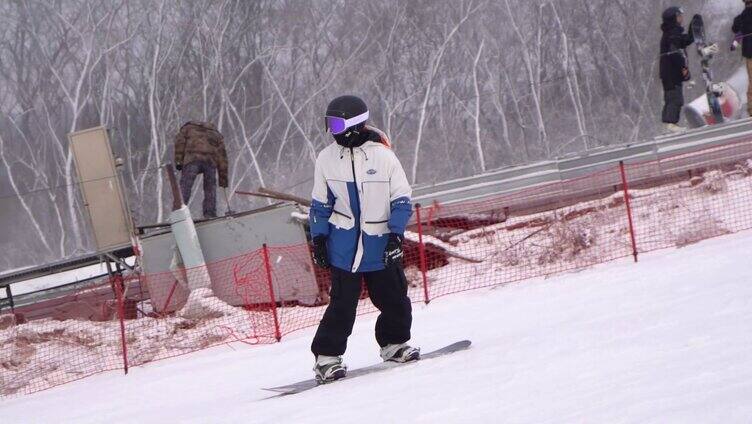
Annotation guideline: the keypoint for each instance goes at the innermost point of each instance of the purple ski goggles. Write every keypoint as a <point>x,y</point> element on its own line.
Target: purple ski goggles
<point>337,125</point>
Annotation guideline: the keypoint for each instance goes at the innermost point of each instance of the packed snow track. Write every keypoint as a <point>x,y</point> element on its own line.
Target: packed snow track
<point>668,340</point>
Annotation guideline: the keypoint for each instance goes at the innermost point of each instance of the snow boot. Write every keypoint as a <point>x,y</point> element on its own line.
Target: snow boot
<point>329,368</point>
<point>400,353</point>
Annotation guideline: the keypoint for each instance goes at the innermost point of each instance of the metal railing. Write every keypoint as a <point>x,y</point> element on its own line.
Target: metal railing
<point>575,165</point>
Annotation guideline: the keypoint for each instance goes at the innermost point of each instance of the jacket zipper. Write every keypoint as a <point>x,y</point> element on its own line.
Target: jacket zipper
<point>360,209</point>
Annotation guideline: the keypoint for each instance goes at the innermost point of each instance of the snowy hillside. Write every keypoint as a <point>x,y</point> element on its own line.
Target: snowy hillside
<point>666,340</point>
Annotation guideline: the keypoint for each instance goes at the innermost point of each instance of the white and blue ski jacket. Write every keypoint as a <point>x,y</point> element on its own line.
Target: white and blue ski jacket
<point>360,195</point>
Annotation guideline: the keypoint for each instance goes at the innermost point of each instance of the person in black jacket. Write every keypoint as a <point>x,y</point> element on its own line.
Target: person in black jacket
<point>743,27</point>
<point>673,66</point>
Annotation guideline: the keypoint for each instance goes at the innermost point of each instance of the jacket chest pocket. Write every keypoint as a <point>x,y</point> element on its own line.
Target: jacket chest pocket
<point>341,221</point>
<point>376,207</point>
<point>342,215</point>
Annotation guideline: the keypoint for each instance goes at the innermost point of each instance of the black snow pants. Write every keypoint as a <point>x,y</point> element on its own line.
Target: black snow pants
<point>673,102</point>
<point>388,292</point>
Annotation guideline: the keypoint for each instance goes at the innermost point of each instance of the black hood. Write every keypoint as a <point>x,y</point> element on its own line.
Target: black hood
<point>669,18</point>
<point>361,134</point>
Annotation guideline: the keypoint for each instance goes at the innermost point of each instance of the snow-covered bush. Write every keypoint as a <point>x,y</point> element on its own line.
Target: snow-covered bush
<point>566,239</point>
<point>698,230</point>
<point>714,182</point>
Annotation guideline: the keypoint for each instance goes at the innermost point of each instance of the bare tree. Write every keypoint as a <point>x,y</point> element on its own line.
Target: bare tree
<point>460,86</point>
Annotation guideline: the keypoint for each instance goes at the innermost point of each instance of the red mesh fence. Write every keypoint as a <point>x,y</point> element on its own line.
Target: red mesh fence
<point>79,337</point>
<point>695,202</point>
<point>235,305</point>
<point>261,296</point>
<point>468,246</point>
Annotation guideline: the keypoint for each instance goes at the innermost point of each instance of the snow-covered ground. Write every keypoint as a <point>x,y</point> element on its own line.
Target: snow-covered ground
<point>668,340</point>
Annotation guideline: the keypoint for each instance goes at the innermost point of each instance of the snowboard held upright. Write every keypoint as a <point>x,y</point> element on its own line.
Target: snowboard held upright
<point>706,50</point>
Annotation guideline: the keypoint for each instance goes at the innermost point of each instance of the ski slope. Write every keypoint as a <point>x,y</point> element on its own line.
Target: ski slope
<point>668,340</point>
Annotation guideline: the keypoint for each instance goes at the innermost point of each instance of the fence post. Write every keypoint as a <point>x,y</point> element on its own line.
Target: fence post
<point>268,267</point>
<point>422,254</point>
<point>169,297</point>
<point>118,283</point>
<point>9,296</point>
<point>625,188</point>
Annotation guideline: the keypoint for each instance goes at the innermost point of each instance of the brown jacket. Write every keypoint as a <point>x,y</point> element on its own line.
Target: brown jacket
<point>201,141</point>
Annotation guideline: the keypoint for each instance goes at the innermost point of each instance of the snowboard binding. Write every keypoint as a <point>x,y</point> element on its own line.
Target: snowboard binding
<point>329,369</point>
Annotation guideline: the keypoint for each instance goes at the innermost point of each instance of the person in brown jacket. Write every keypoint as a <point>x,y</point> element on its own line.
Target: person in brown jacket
<point>200,149</point>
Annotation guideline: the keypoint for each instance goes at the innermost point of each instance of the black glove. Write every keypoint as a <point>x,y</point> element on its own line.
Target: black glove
<point>320,255</point>
<point>393,252</point>
<point>179,167</point>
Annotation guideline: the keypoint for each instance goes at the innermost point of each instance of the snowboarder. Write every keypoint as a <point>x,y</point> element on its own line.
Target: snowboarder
<point>674,70</point>
<point>361,206</point>
<point>742,27</point>
<point>200,149</point>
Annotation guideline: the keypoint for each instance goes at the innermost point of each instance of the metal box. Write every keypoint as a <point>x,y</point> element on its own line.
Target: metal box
<point>231,246</point>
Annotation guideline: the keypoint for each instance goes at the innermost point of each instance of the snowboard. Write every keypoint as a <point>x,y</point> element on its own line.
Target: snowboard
<point>712,91</point>
<point>302,386</point>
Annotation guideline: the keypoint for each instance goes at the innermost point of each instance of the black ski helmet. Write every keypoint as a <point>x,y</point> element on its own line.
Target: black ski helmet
<point>670,14</point>
<point>347,107</point>
<point>345,118</point>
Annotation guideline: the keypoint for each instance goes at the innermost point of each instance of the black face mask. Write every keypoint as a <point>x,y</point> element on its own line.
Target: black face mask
<point>353,137</point>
